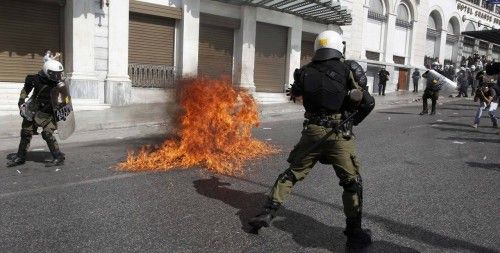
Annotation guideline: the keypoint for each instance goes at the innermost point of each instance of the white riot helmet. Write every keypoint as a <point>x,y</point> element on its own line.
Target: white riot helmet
<point>328,45</point>
<point>473,68</point>
<point>53,70</point>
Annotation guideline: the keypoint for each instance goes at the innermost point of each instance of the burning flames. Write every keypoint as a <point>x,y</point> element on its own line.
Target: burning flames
<point>214,131</point>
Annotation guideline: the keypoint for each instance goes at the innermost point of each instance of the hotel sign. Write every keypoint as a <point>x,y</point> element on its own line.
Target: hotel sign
<point>482,15</point>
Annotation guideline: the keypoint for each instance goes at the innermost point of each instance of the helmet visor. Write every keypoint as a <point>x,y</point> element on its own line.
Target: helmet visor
<point>55,75</point>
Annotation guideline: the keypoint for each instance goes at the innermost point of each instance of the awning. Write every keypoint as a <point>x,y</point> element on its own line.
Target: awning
<point>319,11</point>
<point>492,36</point>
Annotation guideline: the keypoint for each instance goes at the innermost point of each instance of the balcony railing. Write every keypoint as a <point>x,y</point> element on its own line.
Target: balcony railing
<point>152,76</point>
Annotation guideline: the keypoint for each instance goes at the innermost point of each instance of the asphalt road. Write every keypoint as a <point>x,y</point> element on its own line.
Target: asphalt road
<point>431,184</point>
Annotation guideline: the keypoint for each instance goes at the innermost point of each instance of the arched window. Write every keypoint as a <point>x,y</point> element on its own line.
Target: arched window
<point>403,13</point>
<point>470,27</point>
<point>431,23</point>
<point>376,6</point>
<point>451,29</point>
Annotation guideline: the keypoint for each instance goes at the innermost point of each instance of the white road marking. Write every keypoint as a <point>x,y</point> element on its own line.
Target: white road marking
<point>458,142</point>
<point>38,149</point>
<point>269,139</point>
<point>266,128</point>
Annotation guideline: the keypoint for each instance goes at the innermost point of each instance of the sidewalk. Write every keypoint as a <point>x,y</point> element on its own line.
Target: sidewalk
<point>155,114</point>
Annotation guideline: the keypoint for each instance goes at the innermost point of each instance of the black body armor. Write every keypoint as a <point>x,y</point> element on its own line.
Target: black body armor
<point>42,90</point>
<point>322,86</point>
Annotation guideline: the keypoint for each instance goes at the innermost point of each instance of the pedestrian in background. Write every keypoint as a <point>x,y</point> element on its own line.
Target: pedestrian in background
<point>416,78</point>
<point>488,100</point>
<point>462,80</point>
<point>383,77</point>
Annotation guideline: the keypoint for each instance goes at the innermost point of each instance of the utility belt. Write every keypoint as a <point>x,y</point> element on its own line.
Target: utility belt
<point>330,121</point>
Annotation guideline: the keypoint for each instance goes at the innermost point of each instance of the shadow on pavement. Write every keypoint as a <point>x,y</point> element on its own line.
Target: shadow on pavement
<point>33,156</point>
<point>410,231</point>
<point>488,166</point>
<point>387,112</point>
<point>451,124</point>
<point>492,140</point>
<point>456,109</point>
<point>305,231</point>
<point>471,130</point>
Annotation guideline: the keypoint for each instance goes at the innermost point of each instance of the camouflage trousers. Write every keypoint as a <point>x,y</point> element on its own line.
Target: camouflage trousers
<point>338,152</point>
<point>28,128</point>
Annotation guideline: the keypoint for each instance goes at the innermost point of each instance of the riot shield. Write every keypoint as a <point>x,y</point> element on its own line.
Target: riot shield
<point>447,86</point>
<point>63,110</point>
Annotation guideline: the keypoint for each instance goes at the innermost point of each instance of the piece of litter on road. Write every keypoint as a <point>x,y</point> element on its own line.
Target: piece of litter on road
<point>18,171</point>
<point>439,120</point>
<point>266,128</point>
<point>439,113</point>
<point>58,170</point>
<point>458,142</point>
<point>455,113</point>
<point>269,139</point>
<point>388,118</point>
<point>484,158</point>
<point>434,125</point>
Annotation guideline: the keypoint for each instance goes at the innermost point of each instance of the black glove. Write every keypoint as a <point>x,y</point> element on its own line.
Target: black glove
<point>290,94</point>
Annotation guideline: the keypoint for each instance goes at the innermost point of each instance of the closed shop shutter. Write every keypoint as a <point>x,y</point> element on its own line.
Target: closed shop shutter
<point>215,57</point>
<point>307,48</point>
<point>151,39</point>
<point>27,30</point>
<point>270,58</point>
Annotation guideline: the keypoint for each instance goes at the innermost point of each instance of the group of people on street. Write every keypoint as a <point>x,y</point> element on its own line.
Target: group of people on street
<point>327,128</point>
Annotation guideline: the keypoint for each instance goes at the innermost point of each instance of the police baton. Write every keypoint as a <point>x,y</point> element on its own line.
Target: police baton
<point>326,136</point>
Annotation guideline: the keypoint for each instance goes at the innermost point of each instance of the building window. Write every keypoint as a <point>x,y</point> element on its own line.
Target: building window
<point>376,6</point>
<point>398,59</point>
<point>485,4</point>
<point>374,56</point>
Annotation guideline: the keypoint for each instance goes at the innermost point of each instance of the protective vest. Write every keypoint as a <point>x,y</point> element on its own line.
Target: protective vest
<point>358,73</point>
<point>324,86</point>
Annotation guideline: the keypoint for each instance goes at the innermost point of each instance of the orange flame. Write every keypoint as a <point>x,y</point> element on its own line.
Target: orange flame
<point>214,129</point>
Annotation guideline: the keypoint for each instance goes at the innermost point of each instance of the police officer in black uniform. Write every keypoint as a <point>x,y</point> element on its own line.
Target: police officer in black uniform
<point>324,85</point>
<point>41,108</point>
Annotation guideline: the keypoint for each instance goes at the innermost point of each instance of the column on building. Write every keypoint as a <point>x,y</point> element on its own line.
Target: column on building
<point>294,49</point>
<point>79,49</point>
<point>389,38</point>
<point>413,42</point>
<point>442,45</point>
<point>245,48</point>
<point>118,85</point>
<point>190,36</point>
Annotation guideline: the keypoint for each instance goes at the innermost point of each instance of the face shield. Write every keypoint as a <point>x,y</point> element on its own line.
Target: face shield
<point>56,76</point>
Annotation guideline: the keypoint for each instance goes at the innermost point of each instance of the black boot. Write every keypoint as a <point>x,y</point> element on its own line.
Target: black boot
<point>16,161</point>
<point>24,144</point>
<point>357,238</point>
<point>433,112</point>
<point>265,217</point>
<point>423,113</point>
<point>57,161</point>
<point>57,156</point>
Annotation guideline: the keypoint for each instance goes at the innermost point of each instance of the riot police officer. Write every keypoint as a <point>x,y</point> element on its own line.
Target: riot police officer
<point>323,86</point>
<point>39,112</point>
<point>432,88</point>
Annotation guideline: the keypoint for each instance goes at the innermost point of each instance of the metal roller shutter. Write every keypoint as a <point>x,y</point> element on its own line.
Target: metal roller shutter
<point>27,30</point>
<point>215,55</point>
<point>307,48</point>
<point>270,58</point>
<point>151,40</point>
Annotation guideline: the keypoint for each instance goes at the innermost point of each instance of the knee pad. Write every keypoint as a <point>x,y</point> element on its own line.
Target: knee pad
<point>47,136</point>
<point>287,176</point>
<point>354,186</point>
